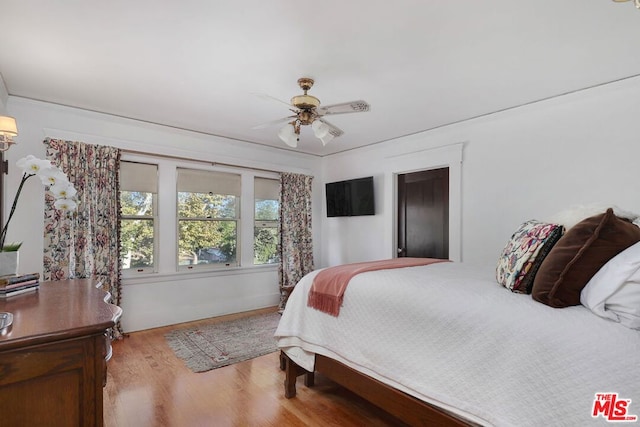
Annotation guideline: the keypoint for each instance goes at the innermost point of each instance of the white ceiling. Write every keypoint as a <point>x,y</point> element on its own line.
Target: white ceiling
<point>198,64</point>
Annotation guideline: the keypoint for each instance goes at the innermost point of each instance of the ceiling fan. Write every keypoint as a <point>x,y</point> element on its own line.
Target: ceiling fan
<point>307,111</point>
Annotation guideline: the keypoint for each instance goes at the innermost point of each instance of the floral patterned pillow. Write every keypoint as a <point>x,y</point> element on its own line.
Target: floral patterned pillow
<point>523,254</point>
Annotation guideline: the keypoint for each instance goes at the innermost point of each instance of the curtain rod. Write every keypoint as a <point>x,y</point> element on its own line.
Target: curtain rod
<point>167,156</point>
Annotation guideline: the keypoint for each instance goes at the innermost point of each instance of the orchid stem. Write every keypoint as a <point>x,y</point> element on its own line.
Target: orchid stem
<point>3,236</point>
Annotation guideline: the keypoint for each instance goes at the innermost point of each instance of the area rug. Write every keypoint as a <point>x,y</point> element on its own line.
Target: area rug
<point>220,344</point>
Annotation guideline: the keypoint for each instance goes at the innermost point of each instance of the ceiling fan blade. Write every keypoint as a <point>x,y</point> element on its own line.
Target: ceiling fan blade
<point>344,108</point>
<point>333,130</point>
<point>269,97</point>
<point>274,122</point>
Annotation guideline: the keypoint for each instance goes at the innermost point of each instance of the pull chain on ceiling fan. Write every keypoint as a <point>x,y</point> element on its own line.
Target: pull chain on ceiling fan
<point>308,111</point>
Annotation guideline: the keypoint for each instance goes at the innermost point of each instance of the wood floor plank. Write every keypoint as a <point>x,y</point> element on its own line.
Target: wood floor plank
<point>147,385</point>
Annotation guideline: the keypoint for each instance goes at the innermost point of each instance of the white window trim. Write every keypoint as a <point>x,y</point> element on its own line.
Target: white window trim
<point>166,261</point>
<point>254,222</point>
<point>134,272</point>
<point>237,220</point>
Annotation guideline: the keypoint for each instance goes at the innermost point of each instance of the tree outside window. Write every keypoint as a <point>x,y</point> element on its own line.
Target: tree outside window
<point>266,221</point>
<point>138,190</point>
<point>208,216</point>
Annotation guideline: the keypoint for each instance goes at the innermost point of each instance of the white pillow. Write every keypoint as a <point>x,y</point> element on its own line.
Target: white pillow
<point>574,214</point>
<point>625,302</point>
<point>614,291</point>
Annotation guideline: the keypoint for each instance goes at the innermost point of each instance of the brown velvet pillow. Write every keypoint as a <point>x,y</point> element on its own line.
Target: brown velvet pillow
<point>578,255</point>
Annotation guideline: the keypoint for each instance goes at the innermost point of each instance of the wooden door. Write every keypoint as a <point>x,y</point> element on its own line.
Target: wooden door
<point>423,214</point>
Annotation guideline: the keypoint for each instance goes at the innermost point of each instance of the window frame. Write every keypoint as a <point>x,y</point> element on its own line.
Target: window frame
<point>166,220</point>
<point>265,223</point>
<point>135,271</point>
<point>237,263</point>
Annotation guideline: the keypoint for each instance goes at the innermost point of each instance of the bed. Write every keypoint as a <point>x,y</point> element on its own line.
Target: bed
<point>447,344</point>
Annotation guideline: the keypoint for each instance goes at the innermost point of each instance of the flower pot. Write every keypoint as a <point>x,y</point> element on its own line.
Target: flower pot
<point>8,263</point>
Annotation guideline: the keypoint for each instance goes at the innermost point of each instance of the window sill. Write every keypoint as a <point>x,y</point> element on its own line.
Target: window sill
<point>144,278</point>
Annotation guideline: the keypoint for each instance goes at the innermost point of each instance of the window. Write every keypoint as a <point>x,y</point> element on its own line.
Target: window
<point>266,218</point>
<point>208,217</point>
<point>182,216</point>
<point>138,192</point>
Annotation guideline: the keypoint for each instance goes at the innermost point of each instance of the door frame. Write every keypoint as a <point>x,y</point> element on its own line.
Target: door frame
<point>433,158</point>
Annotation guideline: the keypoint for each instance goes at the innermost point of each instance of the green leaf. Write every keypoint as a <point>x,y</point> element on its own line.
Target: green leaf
<point>12,247</point>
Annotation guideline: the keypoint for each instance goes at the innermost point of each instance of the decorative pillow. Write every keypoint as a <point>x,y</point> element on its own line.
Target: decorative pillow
<point>614,291</point>
<point>523,254</point>
<point>578,255</point>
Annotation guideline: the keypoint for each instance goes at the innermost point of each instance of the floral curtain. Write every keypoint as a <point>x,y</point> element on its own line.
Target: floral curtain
<point>86,244</point>
<point>296,245</point>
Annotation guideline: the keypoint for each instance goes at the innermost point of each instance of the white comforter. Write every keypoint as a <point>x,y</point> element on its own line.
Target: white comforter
<point>450,335</point>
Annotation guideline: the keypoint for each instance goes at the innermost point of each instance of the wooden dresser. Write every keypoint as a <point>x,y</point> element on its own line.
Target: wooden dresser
<point>53,359</point>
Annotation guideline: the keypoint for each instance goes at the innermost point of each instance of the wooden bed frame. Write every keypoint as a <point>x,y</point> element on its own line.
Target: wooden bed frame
<point>401,405</point>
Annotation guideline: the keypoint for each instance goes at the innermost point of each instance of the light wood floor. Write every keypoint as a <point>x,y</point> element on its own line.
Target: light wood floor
<point>147,385</point>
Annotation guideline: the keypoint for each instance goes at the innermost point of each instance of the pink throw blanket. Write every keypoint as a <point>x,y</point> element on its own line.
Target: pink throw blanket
<point>327,290</point>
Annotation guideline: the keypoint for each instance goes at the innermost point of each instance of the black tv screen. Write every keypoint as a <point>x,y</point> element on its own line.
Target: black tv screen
<point>350,198</point>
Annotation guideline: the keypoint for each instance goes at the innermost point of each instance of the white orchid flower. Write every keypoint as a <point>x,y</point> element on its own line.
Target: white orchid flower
<point>53,176</point>
<point>63,190</point>
<point>50,176</point>
<point>23,161</point>
<point>65,205</point>
<point>32,165</point>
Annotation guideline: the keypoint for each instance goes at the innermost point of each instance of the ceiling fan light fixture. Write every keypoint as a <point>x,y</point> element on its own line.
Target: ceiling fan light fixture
<point>286,131</point>
<point>288,135</point>
<point>328,137</point>
<point>307,111</point>
<point>320,130</point>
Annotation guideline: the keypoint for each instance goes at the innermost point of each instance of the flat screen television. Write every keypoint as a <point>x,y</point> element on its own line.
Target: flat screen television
<point>353,197</point>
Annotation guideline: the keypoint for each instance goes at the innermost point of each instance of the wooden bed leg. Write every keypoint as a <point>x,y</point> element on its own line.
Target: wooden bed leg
<point>292,372</point>
<point>290,380</point>
<point>309,379</point>
<point>283,361</point>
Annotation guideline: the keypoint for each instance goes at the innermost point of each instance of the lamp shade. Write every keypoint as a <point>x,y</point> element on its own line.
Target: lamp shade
<point>320,129</point>
<point>8,126</point>
<point>288,135</point>
<point>328,137</point>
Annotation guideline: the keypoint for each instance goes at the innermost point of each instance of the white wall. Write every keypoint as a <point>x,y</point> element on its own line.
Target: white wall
<point>528,162</point>
<point>165,298</point>
<point>4,96</point>
<point>366,238</point>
